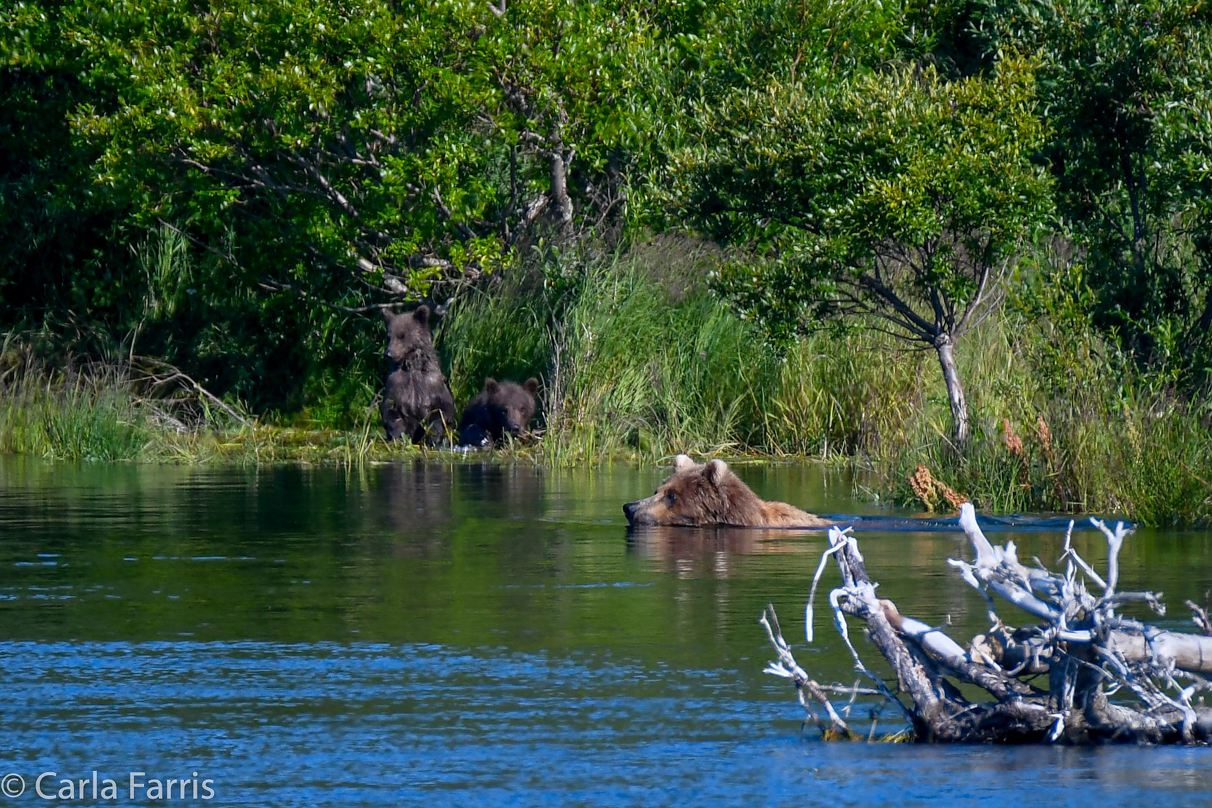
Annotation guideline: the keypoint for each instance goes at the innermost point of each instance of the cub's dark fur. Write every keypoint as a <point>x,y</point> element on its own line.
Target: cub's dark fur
<point>503,407</point>
<point>417,404</point>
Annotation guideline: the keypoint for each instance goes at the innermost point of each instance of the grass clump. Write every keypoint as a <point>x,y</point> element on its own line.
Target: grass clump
<point>636,363</point>
<point>111,411</point>
<point>80,416</point>
<point>635,368</point>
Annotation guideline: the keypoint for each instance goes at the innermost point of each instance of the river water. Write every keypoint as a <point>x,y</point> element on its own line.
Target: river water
<point>469,634</point>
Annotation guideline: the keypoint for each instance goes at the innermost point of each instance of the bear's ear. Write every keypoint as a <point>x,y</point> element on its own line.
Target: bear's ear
<point>491,386</point>
<point>682,462</point>
<point>388,315</point>
<point>532,385</point>
<point>421,315</point>
<point>715,471</point>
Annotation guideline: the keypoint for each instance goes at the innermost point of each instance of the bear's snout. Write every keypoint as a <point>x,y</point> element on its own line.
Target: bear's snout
<point>629,510</point>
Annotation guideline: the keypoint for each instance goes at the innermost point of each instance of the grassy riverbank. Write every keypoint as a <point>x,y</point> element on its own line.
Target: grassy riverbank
<point>640,361</point>
<point>99,413</point>
<point>643,363</point>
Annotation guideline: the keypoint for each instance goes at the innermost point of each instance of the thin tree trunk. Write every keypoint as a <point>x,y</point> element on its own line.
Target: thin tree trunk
<point>955,391</point>
<point>559,189</point>
<point>1204,324</point>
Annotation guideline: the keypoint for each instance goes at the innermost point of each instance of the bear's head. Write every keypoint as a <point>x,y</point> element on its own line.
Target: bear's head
<point>694,496</point>
<point>409,343</point>
<point>512,405</point>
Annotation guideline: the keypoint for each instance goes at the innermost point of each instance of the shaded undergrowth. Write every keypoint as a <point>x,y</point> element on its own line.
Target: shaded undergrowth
<point>111,411</point>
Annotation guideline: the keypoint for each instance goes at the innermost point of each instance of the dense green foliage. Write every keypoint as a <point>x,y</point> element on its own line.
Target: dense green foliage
<point>236,188</point>
<point>900,195</point>
<point>1127,87</point>
<point>887,191</point>
<point>319,159</point>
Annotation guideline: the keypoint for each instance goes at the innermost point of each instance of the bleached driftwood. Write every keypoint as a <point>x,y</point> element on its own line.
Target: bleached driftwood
<point>1087,649</point>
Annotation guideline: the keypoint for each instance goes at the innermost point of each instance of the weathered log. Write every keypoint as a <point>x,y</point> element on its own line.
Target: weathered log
<point>1088,651</point>
<point>1189,652</point>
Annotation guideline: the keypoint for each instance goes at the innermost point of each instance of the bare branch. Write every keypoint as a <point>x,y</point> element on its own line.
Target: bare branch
<point>1088,651</point>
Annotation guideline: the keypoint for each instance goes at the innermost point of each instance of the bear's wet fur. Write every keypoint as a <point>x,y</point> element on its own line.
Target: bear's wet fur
<point>710,494</point>
<point>503,408</point>
<point>417,404</point>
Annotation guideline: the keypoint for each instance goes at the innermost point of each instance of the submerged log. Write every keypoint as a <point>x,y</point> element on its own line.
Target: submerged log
<point>1050,681</point>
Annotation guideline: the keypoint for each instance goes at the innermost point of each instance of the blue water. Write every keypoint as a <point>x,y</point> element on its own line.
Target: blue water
<point>472,635</point>
<point>373,725</point>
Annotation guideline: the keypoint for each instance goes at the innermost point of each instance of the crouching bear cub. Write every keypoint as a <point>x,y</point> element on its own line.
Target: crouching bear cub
<point>702,495</point>
<point>503,408</point>
<point>417,404</point>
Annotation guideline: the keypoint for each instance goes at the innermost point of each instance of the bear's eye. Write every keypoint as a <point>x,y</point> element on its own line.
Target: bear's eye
<point>671,498</point>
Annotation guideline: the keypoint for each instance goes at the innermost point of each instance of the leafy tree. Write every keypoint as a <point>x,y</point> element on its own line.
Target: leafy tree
<point>898,195</point>
<point>355,152</point>
<point>750,42</point>
<point>1128,92</point>
<point>320,158</point>
<point>56,247</point>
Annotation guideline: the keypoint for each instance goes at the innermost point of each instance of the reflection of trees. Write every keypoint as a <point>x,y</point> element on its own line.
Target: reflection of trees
<point>670,545</point>
<point>452,553</point>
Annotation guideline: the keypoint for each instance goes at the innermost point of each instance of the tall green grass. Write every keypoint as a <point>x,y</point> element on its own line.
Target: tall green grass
<point>635,364</point>
<point>80,416</point>
<point>98,412</point>
<point>1062,423</point>
<point>631,368</point>
<point>640,361</point>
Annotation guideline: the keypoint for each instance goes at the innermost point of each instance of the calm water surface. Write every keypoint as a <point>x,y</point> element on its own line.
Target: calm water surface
<point>475,635</point>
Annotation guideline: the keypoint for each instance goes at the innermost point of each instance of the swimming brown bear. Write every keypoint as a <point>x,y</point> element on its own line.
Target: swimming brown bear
<point>710,494</point>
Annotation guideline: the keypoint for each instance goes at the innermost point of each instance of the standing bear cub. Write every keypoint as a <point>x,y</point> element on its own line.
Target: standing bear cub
<point>417,404</point>
<point>503,407</point>
<point>710,494</point>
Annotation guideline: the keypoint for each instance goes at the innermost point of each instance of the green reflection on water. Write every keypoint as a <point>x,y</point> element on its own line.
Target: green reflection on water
<point>470,555</point>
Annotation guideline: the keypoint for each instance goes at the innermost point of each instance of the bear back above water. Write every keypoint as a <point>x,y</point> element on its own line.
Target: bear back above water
<point>502,408</point>
<point>710,494</point>
<point>417,404</point>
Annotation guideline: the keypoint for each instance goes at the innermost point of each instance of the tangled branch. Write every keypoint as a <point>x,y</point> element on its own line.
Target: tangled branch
<point>1088,649</point>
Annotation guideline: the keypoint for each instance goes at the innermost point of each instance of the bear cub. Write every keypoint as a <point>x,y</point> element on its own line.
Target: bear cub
<point>701,495</point>
<point>503,407</point>
<point>417,404</point>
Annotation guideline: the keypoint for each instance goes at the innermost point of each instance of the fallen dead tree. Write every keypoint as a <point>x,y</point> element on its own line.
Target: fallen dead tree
<point>1079,673</point>
<point>175,400</point>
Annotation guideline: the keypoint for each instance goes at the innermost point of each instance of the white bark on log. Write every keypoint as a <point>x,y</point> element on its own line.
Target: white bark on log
<point>1188,652</point>
<point>935,642</point>
<point>1088,651</point>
